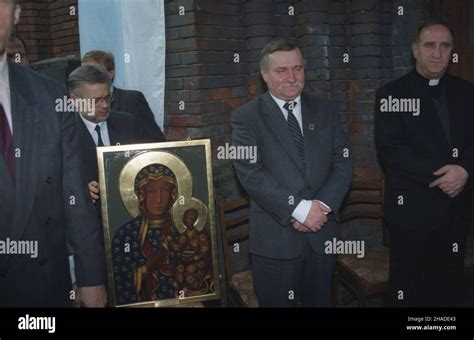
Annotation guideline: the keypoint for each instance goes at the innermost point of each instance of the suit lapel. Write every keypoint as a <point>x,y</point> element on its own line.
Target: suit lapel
<point>113,131</point>
<point>27,132</point>
<point>279,126</point>
<point>84,135</point>
<point>88,150</point>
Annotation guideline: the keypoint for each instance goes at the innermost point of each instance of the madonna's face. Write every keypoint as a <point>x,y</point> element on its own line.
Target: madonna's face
<point>158,198</point>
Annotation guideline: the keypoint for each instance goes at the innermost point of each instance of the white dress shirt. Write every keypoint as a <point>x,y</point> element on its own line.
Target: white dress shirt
<point>5,89</point>
<point>104,131</point>
<point>304,206</point>
<point>296,109</point>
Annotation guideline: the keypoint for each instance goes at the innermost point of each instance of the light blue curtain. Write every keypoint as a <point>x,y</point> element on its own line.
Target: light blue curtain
<point>134,31</point>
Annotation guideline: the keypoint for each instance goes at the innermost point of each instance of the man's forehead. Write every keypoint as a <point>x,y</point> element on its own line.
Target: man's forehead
<point>96,85</point>
<point>92,63</point>
<point>95,88</point>
<point>285,57</point>
<point>436,33</point>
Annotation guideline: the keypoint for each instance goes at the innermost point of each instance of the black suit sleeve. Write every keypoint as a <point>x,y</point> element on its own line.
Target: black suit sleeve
<point>81,219</point>
<point>467,158</point>
<point>151,130</point>
<point>467,161</point>
<point>139,133</point>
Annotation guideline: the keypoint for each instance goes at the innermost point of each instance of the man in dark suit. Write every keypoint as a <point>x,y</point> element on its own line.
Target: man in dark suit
<point>101,126</point>
<point>130,101</point>
<point>97,125</point>
<point>43,192</point>
<point>296,184</point>
<point>425,140</point>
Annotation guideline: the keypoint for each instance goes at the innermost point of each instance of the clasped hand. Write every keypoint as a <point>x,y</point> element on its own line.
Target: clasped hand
<point>315,220</point>
<point>452,179</point>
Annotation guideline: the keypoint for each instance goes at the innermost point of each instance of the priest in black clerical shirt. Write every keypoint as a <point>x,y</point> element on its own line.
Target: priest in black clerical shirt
<point>427,156</point>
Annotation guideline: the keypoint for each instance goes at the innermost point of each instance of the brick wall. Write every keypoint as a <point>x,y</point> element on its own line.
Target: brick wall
<point>212,56</point>
<point>49,29</point>
<point>203,74</point>
<point>212,60</point>
<point>64,27</point>
<point>201,71</point>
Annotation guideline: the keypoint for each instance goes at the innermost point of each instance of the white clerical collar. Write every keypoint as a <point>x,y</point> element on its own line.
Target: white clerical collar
<point>431,82</point>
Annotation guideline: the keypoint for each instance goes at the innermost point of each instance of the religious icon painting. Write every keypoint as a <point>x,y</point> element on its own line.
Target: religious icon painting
<point>159,223</point>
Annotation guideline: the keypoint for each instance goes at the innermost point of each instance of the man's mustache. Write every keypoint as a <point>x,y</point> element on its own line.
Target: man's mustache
<point>293,85</point>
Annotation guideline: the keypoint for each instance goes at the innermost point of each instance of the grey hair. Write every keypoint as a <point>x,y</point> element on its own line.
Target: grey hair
<point>92,74</point>
<point>274,46</point>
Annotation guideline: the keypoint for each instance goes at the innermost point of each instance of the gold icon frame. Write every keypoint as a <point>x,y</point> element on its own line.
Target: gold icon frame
<point>118,168</point>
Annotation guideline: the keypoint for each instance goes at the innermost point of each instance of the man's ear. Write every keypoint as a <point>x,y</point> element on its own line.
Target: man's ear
<point>264,75</point>
<point>111,74</point>
<point>414,49</point>
<point>16,15</point>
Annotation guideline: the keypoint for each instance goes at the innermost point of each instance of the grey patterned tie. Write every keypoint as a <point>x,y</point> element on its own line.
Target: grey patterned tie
<point>295,129</point>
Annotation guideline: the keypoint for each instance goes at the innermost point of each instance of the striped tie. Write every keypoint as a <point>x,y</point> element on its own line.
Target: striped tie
<point>295,129</point>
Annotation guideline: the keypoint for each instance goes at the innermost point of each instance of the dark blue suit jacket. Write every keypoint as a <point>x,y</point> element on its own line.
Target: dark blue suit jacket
<point>134,102</point>
<point>48,196</point>
<point>279,179</point>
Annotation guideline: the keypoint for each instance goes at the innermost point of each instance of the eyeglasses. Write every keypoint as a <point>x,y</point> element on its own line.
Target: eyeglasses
<point>107,99</point>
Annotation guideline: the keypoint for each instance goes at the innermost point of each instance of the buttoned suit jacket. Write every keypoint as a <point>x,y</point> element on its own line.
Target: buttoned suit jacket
<point>279,179</point>
<point>47,196</point>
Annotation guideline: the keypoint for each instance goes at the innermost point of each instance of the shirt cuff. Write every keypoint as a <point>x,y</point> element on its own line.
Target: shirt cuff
<point>301,211</point>
<point>327,206</point>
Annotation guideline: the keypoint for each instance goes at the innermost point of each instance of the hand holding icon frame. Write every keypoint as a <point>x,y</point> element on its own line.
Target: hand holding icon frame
<point>190,162</point>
